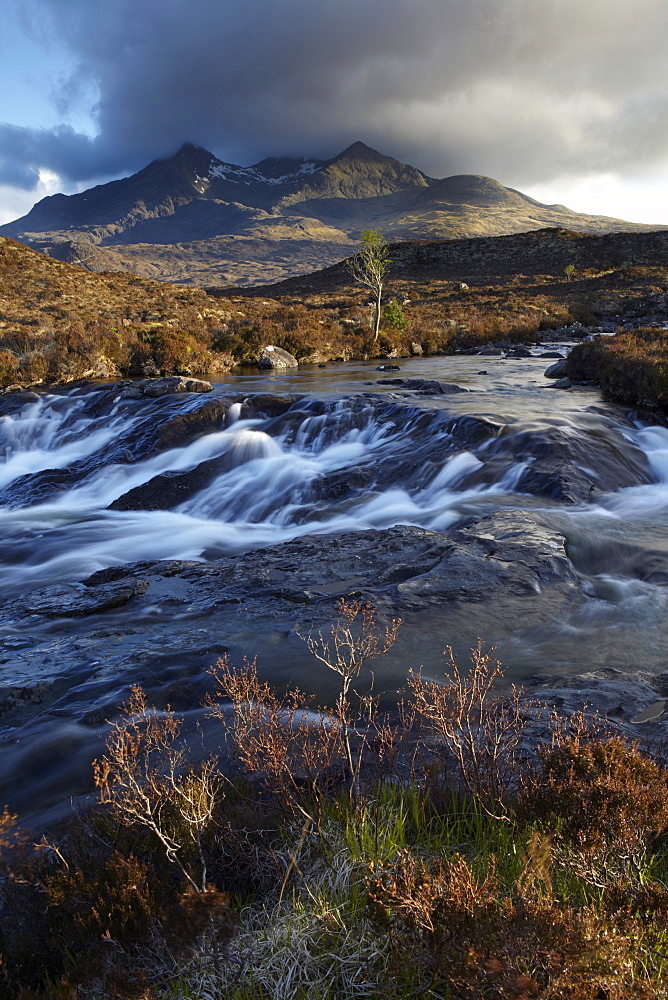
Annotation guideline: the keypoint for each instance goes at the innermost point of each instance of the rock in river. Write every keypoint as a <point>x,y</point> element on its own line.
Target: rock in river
<point>276,357</point>
<point>561,383</point>
<point>175,383</point>
<point>557,370</point>
<point>67,601</point>
<point>423,386</point>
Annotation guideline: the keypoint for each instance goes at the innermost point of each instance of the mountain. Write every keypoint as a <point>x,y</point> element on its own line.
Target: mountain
<point>194,218</point>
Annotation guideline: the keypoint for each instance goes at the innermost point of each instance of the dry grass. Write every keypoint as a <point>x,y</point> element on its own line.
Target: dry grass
<point>60,322</point>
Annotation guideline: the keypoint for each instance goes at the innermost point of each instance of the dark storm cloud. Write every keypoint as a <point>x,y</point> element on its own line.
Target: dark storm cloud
<point>524,90</point>
<point>24,151</point>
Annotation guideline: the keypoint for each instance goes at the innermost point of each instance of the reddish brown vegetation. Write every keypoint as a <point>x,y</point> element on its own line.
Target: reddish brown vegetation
<point>632,367</point>
<point>60,322</point>
<point>472,881</point>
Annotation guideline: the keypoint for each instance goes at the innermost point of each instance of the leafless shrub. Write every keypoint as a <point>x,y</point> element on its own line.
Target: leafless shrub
<point>299,752</point>
<point>290,747</point>
<point>147,778</point>
<point>483,731</point>
<point>354,639</point>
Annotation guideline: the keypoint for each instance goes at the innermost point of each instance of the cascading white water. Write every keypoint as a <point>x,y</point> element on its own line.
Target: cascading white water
<point>296,477</point>
<point>252,503</point>
<point>650,502</point>
<point>234,413</point>
<point>265,492</point>
<point>44,437</point>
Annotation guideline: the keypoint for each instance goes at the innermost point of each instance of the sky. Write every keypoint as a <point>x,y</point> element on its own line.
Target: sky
<point>565,100</point>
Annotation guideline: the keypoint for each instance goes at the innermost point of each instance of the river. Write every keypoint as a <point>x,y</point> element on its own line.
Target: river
<point>534,517</point>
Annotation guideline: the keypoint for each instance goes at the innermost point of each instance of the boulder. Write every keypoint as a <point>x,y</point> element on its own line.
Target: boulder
<point>170,489</point>
<point>69,601</point>
<point>423,386</point>
<point>276,357</point>
<point>557,370</point>
<point>174,383</point>
<point>415,348</point>
<point>561,383</point>
<point>209,416</point>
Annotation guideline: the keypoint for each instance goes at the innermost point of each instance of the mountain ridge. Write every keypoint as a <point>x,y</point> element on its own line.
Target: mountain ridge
<point>195,218</point>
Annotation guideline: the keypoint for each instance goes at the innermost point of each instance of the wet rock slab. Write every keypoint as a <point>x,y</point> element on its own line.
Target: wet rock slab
<point>423,386</point>
<point>616,699</point>
<point>404,571</point>
<point>79,601</point>
<point>562,464</point>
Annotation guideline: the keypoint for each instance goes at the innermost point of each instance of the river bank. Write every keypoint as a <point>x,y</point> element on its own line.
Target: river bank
<point>631,368</point>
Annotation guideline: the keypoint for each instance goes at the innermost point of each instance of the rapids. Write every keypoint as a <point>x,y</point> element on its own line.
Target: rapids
<point>275,465</point>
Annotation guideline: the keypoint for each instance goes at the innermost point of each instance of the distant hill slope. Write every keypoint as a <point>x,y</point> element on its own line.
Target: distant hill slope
<point>59,322</point>
<point>484,260</point>
<point>195,219</point>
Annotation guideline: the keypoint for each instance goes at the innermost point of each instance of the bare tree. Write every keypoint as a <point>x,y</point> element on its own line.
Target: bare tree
<point>369,267</point>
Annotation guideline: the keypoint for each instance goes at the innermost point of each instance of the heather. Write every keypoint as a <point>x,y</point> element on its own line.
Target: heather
<point>59,322</point>
<point>631,367</point>
<point>316,316</point>
<point>469,844</point>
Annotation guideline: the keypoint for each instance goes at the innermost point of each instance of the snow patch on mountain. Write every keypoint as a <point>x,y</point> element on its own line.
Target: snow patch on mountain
<point>251,175</point>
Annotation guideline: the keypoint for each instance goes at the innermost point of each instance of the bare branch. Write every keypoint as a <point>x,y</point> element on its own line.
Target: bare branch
<point>146,777</point>
<point>479,728</point>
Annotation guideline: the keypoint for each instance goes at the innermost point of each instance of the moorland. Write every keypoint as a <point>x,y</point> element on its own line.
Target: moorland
<point>60,322</point>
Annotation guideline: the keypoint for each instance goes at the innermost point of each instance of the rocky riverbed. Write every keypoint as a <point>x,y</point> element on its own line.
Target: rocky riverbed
<point>142,536</point>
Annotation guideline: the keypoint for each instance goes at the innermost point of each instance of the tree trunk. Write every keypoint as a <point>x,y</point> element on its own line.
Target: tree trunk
<point>376,331</point>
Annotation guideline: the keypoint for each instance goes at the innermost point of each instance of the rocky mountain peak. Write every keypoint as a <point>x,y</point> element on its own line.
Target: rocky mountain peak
<point>191,149</point>
<point>216,222</point>
<point>360,151</point>
<point>194,158</point>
